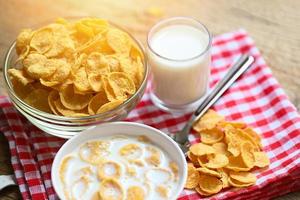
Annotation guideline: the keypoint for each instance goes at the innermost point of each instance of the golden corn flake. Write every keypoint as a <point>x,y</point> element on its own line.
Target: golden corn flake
<point>261,159</point>
<point>20,76</point>
<point>201,192</point>
<point>109,169</point>
<point>62,173</point>
<point>118,40</point>
<point>254,135</point>
<point>127,66</point>
<point>94,151</point>
<point>61,73</point>
<point>109,106</point>
<point>200,149</point>
<point>111,189</point>
<point>23,54</point>
<point>96,102</point>
<point>23,40</point>
<point>35,66</point>
<point>130,171</point>
<point>67,112</point>
<point>210,184</point>
<point>83,32</point>
<point>95,81</point>
<point>155,156</point>
<point>174,168</point>
<point>81,82</point>
<point>233,124</point>
<point>202,160</point>
<point>61,41</point>
<point>53,96</point>
<point>135,193</point>
<point>118,86</point>
<point>217,161</point>
<point>193,158</point>
<point>113,63</point>
<point>211,136</point>
<point>63,167</point>
<point>74,101</point>
<point>238,184</point>
<point>233,144</point>
<point>221,148</point>
<point>42,40</point>
<point>89,54</point>
<point>192,178</point>
<point>131,151</point>
<point>208,121</point>
<point>79,61</point>
<point>247,154</point>
<point>96,64</point>
<point>243,177</point>
<point>210,172</point>
<point>163,191</point>
<point>137,162</point>
<point>123,82</point>
<point>97,25</point>
<point>111,96</point>
<point>238,136</point>
<point>237,164</point>
<point>224,177</point>
<point>246,137</point>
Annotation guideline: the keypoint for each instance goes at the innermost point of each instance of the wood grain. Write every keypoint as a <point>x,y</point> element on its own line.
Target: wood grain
<point>273,24</point>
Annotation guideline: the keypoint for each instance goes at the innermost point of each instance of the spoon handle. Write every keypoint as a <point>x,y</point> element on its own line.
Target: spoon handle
<point>238,68</point>
<point>6,180</point>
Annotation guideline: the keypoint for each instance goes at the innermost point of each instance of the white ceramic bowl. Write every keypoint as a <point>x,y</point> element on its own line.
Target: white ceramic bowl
<point>127,128</point>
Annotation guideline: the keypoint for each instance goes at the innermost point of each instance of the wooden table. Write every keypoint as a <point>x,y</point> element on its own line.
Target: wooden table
<point>274,25</point>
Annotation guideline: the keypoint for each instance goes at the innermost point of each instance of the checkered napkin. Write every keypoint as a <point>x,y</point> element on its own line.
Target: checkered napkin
<point>256,98</point>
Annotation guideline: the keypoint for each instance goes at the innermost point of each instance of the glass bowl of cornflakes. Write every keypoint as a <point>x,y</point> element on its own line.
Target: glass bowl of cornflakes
<point>70,75</point>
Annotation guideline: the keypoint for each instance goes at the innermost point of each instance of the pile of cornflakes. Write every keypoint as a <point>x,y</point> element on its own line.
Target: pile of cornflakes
<point>224,158</point>
<point>76,68</point>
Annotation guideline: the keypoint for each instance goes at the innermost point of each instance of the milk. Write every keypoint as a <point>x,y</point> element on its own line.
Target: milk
<point>179,57</point>
<point>147,177</point>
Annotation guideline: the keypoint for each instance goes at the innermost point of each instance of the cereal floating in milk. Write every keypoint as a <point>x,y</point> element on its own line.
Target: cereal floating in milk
<point>118,168</point>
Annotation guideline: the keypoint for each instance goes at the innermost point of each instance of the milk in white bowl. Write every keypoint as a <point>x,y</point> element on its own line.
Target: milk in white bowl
<point>117,161</point>
<point>179,57</point>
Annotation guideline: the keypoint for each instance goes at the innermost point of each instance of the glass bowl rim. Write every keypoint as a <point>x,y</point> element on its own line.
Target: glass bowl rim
<point>142,86</point>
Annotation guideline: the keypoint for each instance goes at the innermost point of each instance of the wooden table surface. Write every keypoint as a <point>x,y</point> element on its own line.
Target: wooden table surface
<point>274,25</point>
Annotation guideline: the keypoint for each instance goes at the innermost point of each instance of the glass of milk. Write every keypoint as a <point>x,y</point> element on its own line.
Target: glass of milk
<point>179,57</point>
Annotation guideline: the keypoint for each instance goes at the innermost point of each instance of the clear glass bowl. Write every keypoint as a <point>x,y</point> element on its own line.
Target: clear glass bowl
<point>67,127</point>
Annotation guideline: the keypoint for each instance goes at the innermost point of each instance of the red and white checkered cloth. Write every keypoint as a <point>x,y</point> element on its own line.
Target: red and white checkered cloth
<point>256,98</point>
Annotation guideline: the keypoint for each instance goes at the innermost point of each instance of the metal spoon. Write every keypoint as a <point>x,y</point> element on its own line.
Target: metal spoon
<point>6,180</point>
<point>238,68</point>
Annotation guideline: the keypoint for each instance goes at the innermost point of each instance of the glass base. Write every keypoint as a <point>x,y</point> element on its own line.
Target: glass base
<point>185,108</point>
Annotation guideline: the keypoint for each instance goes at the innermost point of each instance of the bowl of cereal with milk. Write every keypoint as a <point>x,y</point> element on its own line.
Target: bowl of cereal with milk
<point>69,75</point>
<point>119,161</point>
